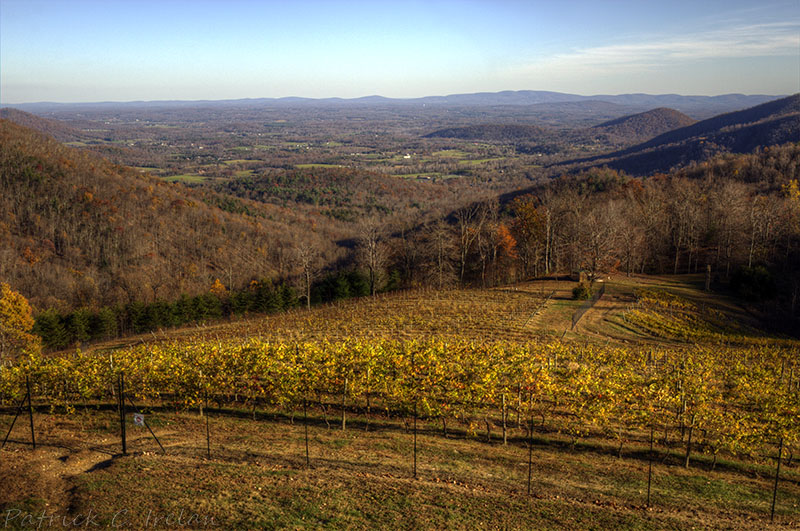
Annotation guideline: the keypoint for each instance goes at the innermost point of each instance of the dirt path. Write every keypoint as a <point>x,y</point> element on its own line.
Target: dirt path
<point>599,321</point>
<point>47,475</point>
<point>596,322</point>
<point>43,481</point>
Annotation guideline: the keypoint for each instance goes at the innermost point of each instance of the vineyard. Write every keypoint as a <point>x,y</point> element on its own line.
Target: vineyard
<point>741,401</point>
<point>472,365</point>
<point>499,314</point>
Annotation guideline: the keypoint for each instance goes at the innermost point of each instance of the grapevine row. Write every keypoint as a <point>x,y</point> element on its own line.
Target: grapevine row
<point>741,400</point>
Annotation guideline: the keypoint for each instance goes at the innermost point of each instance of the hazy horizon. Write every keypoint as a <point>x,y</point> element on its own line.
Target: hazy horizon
<point>92,51</point>
<point>324,98</point>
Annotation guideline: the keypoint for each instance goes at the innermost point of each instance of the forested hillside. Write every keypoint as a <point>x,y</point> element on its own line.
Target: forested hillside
<point>645,125</point>
<point>738,215</point>
<point>773,110</point>
<point>342,193</point>
<point>77,230</point>
<point>771,123</point>
<point>55,128</point>
<point>525,138</point>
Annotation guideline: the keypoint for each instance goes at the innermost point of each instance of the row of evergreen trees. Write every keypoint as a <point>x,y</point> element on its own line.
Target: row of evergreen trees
<point>59,330</point>
<point>63,330</point>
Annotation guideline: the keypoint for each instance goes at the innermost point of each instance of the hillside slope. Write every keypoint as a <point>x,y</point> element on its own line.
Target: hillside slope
<point>77,230</point>
<point>55,128</point>
<point>645,125</point>
<point>775,122</point>
<point>430,410</point>
<point>788,107</point>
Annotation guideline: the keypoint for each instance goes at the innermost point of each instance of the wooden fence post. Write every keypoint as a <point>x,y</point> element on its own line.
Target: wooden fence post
<point>121,398</point>
<point>30,411</point>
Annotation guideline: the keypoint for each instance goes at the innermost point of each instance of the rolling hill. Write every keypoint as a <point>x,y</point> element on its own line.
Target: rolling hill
<point>57,129</point>
<point>494,133</point>
<point>771,123</point>
<point>513,421</point>
<point>724,124</point>
<point>646,125</point>
<point>524,138</point>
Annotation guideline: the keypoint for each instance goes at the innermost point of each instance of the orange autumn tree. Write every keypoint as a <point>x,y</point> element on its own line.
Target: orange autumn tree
<point>218,288</point>
<point>506,243</point>
<point>505,253</point>
<point>16,323</point>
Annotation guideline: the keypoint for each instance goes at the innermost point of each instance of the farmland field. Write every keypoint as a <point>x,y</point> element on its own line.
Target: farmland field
<point>186,178</point>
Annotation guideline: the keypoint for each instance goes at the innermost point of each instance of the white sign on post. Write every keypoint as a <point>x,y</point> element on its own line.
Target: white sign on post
<point>138,419</point>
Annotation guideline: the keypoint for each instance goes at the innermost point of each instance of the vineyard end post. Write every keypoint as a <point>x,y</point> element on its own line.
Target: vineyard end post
<point>30,411</point>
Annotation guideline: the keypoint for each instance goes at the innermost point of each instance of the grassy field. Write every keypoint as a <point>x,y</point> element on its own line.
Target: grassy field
<point>185,178</point>
<point>240,161</point>
<point>316,165</point>
<point>451,154</point>
<point>512,313</point>
<point>362,477</point>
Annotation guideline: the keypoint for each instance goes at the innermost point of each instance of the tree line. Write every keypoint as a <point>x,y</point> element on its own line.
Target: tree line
<point>737,217</point>
<point>60,330</point>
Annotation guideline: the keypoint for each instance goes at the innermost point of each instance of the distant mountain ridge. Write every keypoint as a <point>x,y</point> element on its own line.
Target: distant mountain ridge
<point>629,129</point>
<point>704,105</point>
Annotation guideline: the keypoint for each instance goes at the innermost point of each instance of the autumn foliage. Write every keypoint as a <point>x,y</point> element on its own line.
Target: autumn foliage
<point>16,323</point>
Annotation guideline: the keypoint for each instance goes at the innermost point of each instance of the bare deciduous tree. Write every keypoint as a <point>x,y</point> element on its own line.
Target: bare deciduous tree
<point>372,250</point>
<point>308,258</point>
<point>470,220</point>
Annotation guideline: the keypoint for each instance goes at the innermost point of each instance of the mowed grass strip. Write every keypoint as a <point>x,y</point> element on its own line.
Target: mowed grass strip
<point>362,479</point>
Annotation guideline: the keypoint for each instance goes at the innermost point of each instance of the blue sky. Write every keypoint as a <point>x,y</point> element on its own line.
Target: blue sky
<point>124,50</point>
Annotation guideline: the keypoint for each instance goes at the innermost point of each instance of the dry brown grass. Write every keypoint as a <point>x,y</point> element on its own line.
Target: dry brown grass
<point>257,477</point>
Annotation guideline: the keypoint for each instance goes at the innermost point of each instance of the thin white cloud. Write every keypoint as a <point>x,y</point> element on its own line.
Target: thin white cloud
<point>758,40</point>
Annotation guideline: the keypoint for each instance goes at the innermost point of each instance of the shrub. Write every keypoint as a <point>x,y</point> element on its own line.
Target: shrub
<point>754,283</point>
<point>103,324</point>
<point>582,291</point>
